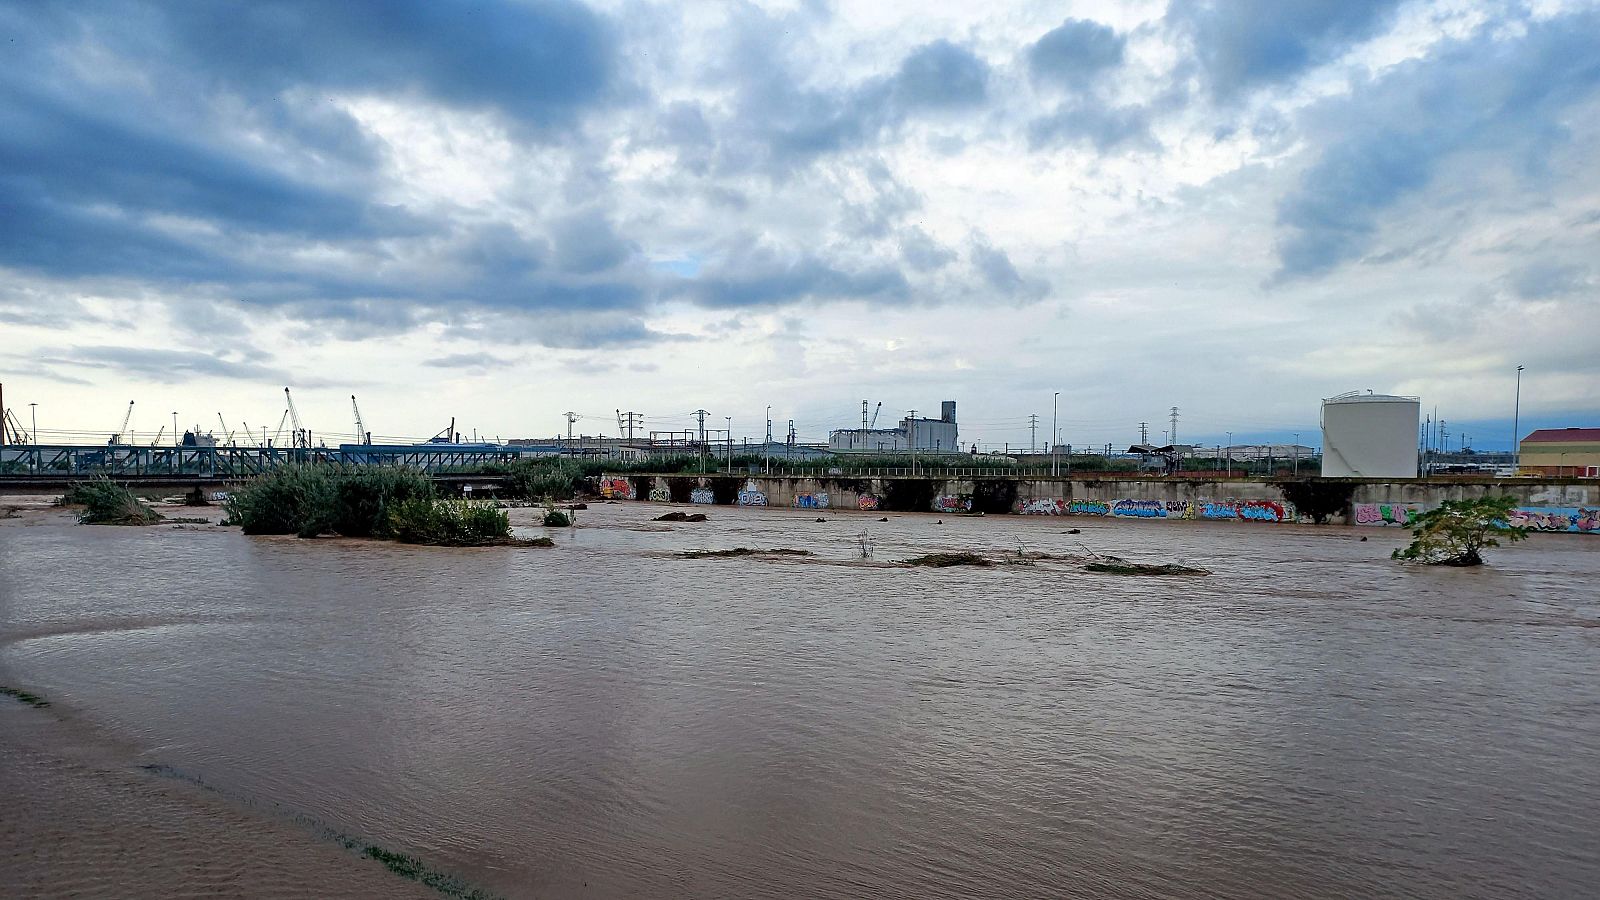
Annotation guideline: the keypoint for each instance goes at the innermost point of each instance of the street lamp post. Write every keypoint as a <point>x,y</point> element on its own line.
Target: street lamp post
<point>1054,433</point>
<point>175,441</point>
<point>730,443</point>
<point>1296,452</point>
<point>1516,427</point>
<point>33,413</point>
<point>766,448</point>
<point>1230,454</point>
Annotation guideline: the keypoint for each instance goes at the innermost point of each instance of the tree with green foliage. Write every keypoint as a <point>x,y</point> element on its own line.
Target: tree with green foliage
<point>1456,533</point>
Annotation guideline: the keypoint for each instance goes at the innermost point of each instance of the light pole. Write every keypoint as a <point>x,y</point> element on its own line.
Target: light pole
<point>1296,452</point>
<point>175,441</point>
<point>766,448</point>
<point>33,413</point>
<point>1054,433</point>
<point>1230,454</point>
<point>1516,427</point>
<point>730,443</point>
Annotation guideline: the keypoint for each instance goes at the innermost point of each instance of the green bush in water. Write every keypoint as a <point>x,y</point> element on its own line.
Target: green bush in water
<point>313,499</point>
<point>108,503</point>
<point>361,499</point>
<point>453,523</point>
<point>290,499</point>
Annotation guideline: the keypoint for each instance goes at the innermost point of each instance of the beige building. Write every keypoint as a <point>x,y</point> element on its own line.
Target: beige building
<point>1561,451</point>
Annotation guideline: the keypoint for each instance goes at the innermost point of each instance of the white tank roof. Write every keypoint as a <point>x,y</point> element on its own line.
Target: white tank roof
<point>1369,397</point>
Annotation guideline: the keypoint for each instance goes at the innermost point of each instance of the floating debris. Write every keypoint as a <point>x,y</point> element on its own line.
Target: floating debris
<point>741,551</point>
<point>946,560</point>
<point>681,517</point>
<point>1123,567</point>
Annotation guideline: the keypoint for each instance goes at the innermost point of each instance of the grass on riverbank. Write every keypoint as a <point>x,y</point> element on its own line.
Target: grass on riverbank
<point>33,700</point>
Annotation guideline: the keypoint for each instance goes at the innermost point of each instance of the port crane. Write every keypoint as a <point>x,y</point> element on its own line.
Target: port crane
<point>14,433</point>
<point>159,433</point>
<point>127,417</point>
<point>227,436</point>
<point>362,435</point>
<point>302,437</point>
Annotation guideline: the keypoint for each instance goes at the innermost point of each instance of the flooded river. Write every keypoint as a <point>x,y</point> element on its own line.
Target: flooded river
<point>603,719</point>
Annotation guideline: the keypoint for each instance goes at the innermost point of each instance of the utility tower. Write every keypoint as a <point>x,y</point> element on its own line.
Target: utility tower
<point>1144,433</point>
<point>571,418</point>
<point>627,421</point>
<point>700,415</point>
<point>1172,436</point>
<point>1033,432</point>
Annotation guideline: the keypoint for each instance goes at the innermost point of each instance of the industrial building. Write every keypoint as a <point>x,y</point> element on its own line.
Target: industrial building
<point>1560,451</point>
<point>924,434</point>
<point>1370,436</point>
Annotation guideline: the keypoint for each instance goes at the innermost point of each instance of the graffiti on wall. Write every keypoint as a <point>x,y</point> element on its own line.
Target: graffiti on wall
<point>751,496</point>
<point>1042,506</point>
<point>702,495</point>
<point>659,494</point>
<point>867,503</point>
<point>952,503</point>
<point>1090,508</point>
<point>1386,513</point>
<point>813,500</point>
<point>1139,509</point>
<point>1180,509</point>
<point>616,489</point>
<point>1557,518</point>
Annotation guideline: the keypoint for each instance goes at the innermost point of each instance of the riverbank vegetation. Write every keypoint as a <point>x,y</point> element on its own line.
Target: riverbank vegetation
<point>391,504</point>
<point>1458,531</point>
<point>105,502</point>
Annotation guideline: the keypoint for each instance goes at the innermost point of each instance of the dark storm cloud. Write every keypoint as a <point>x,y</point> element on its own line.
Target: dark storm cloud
<point>1000,275</point>
<point>1245,44</point>
<point>1385,142</point>
<point>1075,53</point>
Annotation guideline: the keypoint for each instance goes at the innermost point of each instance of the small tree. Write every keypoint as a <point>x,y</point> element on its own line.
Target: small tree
<point>1456,532</point>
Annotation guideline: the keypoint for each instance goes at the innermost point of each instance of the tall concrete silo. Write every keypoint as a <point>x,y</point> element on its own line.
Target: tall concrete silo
<point>1370,435</point>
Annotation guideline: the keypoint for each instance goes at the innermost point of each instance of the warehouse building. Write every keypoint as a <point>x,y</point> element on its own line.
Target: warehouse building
<point>1571,452</point>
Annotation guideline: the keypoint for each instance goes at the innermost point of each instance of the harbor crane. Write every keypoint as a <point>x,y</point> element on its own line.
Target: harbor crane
<point>127,417</point>
<point>362,435</point>
<point>13,432</point>
<point>302,437</point>
<point>277,436</point>
<point>227,436</point>
<point>159,433</point>
<point>875,412</point>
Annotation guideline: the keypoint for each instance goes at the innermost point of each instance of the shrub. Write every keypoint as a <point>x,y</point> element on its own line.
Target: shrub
<point>1455,533</point>
<point>361,498</point>
<point>555,518</point>
<point>291,499</point>
<point>108,503</point>
<point>453,523</point>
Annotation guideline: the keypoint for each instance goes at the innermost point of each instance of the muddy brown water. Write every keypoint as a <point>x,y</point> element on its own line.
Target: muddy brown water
<point>605,720</point>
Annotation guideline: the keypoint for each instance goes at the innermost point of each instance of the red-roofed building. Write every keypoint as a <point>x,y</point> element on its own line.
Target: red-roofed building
<point>1561,451</point>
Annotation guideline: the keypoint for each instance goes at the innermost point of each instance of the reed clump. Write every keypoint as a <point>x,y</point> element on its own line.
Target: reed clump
<point>105,502</point>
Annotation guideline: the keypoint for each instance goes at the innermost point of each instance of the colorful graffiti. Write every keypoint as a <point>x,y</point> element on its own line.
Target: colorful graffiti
<point>867,503</point>
<point>1141,509</point>
<point>815,500</point>
<point>1043,506</point>
<point>1180,509</point>
<point>750,496</point>
<point>1386,513</point>
<point>1090,508</point>
<point>616,489</point>
<point>952,503</point>
<point>1266,511</point>
<point>1557,518</point>
<point>660,494</point>
<point>702,495</point>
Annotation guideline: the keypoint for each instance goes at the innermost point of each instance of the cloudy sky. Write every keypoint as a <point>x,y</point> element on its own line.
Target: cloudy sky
<point>505,211</point>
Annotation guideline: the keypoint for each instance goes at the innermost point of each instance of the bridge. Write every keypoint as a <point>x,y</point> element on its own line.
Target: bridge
<point>54,466</point>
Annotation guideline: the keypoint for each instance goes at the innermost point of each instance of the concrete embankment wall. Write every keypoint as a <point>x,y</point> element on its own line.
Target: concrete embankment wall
<point>1548,505</point>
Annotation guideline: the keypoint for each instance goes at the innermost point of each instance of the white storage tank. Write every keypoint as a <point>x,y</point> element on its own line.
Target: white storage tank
<point>1370,436</point>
